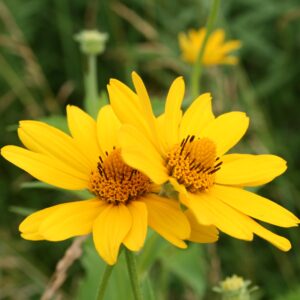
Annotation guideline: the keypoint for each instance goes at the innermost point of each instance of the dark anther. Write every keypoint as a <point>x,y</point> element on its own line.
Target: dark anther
<point>105,174</point>
<point>131,174</point>
<point>106,153</point>
<point>184,143</point>
<point>101,159</point>
<point>214,171</point>
<point>192,138</point>
<point>187,154</point>
<point>218,164</point>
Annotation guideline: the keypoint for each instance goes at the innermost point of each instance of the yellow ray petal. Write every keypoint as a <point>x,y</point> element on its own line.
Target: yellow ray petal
<point>32,236</point>
<point>140,154</point>
<point>108,126</point>
<point>133,114</point>
<point>45,168</point>
<point>226,130</point>
<point>110,230</point>
<point>173,111</point>
<point>71,219</point>
<point>277,240</point>
<point>217,38</point>
<point>83,129</point>
<point>144,99</point>
<point>197,116</point>
<point>255,206</point>
<point>201,233</point>
<point>45,139</point>
<point>249,170</point>
<point>230,46</point>
<point>208,210</point>
<point>135,238</point>
<point>61,221</point>
<point>165,217</point>
<point>161,134</point>
<point>32,223</point>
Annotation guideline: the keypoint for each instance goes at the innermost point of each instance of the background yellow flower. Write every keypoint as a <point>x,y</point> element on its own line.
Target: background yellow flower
<point>217,51</point>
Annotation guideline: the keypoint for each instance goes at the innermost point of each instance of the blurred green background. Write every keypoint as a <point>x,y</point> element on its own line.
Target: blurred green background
<point>41,71</point>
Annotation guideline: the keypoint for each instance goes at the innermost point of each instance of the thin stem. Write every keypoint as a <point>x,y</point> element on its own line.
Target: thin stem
<point>198,66</point>
<point>132,270</point>
<point>104,282</point>
<point>91,89</point>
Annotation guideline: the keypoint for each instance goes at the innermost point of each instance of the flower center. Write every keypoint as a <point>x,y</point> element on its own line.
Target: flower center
<point>194,163</point>
<point>116,182</point>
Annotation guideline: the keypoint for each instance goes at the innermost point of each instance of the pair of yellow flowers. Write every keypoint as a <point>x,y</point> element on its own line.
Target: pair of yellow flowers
<point>127,155</point>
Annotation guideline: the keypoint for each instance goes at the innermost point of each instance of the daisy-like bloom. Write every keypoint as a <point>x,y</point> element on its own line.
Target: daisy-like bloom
<point>216,52</point>
<point>189,151</point>
<point>124,201</point>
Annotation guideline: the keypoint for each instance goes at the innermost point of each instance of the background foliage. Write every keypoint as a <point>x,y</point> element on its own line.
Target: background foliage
<point>41,72</point>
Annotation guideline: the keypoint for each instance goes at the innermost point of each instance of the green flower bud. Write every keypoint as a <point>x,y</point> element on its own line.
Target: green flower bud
<point>92,42</point>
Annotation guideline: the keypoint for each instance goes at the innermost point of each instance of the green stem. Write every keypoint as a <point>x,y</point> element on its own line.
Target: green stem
<point>198,66</point>
<point>91,88</point>
<point>132,270</point>
<point>104,282</point>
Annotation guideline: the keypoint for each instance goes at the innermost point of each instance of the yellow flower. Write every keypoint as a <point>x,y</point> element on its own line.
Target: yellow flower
<point>217,51</point>
<point>124,201</point>
<point>189,151</point>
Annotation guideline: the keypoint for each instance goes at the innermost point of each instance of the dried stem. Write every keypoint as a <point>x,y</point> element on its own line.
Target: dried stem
<point>62,267</point>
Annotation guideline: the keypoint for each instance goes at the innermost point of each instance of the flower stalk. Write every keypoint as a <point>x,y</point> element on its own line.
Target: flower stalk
<point>104,282</point>
<point>198,66</point>
<point>92,43</point>
<point>133,274</point>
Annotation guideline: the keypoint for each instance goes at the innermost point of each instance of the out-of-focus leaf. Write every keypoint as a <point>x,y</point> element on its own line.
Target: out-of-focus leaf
<point>118,287</point>
<point>20,210</point>
<point>189,265</point>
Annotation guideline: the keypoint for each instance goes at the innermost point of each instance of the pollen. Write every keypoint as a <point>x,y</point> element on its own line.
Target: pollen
<point>113,181</point>
<point>194,163</point>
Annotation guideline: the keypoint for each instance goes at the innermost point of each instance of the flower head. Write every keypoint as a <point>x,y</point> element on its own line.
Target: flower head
<point>235,288</point>
<point>123,200</point>
<point>189,151</point>
<point>217,51</point>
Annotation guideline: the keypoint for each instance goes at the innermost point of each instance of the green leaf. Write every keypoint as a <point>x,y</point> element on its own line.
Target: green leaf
<point>189,265</point>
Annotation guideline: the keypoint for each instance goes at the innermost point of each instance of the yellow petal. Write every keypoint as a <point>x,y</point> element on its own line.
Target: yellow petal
<point>173,111</point>
<point>71,219</point>
<point>161,134</point>
<point>208,210</point>
<point>216,38</point>
<point>255,206</point>
<point>108,126</point>
<point>197,116</point>
<point>46,168</point>
<point>226,130</point>
<point>277,240</point>
<point>84,131</point>
<point>32,236</point>
<point>110,230</point>
<point>201,233</point>
<point>165,217</point>
<point>61,221</point>
<point>143,96</point>
<point>140,154</point>
<point>32,223</point>
<point>249,170</point>
<point>45,139</point>
<point>135,238</point>
<point>230,46</point>
<point>133,114</point>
